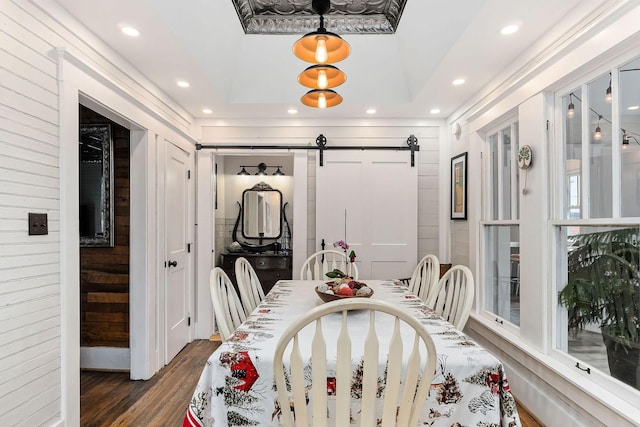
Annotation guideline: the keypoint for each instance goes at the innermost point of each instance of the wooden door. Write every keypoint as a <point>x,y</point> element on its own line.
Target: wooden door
<point>177,296</point>
<point>369,199</point>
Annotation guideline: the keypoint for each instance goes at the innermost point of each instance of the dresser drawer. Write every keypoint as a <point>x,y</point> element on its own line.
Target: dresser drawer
<point>270,263</point>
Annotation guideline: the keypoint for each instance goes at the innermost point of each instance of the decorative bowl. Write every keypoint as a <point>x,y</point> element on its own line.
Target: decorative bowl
<point>333,297</point>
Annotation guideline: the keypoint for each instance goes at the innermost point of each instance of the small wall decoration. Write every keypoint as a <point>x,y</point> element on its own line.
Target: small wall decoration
<point>459,186</point>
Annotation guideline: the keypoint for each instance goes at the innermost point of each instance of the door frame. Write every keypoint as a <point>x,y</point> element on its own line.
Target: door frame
<point>206,220</point>
<point>78,82</point>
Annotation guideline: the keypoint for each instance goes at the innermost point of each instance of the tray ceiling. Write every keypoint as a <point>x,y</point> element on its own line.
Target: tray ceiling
<point>297,16</point>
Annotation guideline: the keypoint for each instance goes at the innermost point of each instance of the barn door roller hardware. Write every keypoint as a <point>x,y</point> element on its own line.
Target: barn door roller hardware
<point>412,145</point>
<point>321,145</point>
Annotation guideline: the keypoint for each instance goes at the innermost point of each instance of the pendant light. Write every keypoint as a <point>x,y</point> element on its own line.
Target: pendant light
<point>571,110</point>
<point>322,76</point>
<point>321,46</point>
<point>597,135</point>
<point>608,96</point>
<point>321,98</point>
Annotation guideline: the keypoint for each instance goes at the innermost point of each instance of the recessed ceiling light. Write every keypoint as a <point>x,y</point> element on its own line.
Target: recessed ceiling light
<point>182,83</point>
<point>633,107</point>
<point>130,31</point>
<point>207,111</point>
<point>371,111</point>
<point>292,111</point>
<point>509,29</point>
<point>458,82</point>
<point>435,111</point>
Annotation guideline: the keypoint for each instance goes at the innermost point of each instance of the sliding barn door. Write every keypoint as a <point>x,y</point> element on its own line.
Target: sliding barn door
<point>370,200</point>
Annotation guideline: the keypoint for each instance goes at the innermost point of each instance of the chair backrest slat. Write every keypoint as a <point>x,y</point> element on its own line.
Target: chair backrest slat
<point>370,374</point>
<point>343,370</point>
<point>319,374</point>
<point>297,384</point>
<point>394,376</point>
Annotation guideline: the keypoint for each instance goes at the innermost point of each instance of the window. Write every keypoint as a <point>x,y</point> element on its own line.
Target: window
<point>598,275</point>
<point>500,225</point>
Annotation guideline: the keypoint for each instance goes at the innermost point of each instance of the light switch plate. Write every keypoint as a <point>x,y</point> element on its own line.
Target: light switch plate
<point>38,224</point>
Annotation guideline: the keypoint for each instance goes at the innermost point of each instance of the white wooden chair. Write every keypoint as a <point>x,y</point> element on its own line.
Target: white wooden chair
<point>321,262</point>
<point>425,277</point>
<point>227,308</point>
<point>397,410</point>
<point>251,292</point>
<point>453,296</point>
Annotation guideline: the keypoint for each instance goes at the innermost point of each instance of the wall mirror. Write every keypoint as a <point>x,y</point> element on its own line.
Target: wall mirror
<point>96,184</point>
<point>261,212</point>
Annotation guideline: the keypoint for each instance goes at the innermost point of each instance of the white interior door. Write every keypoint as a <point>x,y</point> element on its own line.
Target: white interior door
<point>369,199</point>
<point>177,288</point>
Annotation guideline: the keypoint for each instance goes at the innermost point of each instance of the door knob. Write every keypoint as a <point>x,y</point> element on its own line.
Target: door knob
<point>173,263</point>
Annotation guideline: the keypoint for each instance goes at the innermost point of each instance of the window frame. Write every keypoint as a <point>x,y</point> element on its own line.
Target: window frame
<point>559,203</point>
<point>486,202</point>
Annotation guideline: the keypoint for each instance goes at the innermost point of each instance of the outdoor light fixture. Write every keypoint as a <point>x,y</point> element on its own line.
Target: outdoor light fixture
<point>321,46</point>
<point>571,111</point>
<point>321,98</point>
<point>597,135</point>
<point>262,169</point>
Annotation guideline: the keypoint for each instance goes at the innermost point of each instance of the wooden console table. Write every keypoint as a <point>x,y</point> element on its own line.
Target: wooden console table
<point>269,267</point>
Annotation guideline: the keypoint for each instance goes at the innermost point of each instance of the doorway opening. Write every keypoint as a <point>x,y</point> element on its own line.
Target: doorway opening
<point>104,267</point>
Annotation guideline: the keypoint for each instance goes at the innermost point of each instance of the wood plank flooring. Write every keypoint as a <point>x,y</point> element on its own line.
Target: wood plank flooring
<point>111,399</point>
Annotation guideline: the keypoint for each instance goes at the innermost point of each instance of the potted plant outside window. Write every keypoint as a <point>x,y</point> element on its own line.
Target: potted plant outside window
<point>604,288</point>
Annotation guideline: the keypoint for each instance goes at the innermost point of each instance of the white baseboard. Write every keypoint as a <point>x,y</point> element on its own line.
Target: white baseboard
<point>105,358</point>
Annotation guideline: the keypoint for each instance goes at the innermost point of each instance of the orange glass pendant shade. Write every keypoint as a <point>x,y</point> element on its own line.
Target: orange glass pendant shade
<point>322,77</point>
<point>319,98</point>
<point>321,47</point>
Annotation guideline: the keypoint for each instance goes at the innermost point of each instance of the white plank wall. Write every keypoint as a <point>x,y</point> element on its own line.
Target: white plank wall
<point>381,133</point>
<point>30,288</point>
<point>30,365</point>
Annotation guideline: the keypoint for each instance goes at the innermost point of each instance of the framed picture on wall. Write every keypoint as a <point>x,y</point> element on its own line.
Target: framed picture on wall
<point>459,186</point>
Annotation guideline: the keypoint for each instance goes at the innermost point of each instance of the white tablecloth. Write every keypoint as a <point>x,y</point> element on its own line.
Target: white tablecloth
<point>236,387</point>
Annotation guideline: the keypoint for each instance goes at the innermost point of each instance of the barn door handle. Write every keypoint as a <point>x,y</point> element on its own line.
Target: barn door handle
<point>173,263</point>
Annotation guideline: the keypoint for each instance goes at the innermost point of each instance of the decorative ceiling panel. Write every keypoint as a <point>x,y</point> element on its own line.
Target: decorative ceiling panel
<point>297,16</point>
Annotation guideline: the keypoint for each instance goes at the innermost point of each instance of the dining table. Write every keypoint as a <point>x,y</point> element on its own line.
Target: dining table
<point>237,387</point>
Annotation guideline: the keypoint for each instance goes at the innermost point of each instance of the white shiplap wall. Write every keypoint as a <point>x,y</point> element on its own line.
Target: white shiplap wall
<point>38,375</point>
<point>30,352</point>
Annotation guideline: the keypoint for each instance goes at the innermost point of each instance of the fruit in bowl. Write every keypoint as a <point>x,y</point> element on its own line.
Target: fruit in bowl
<point>343,287</point>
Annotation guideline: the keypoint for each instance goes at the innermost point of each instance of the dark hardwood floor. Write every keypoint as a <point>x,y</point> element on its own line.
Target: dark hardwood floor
<point>111,399</point>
